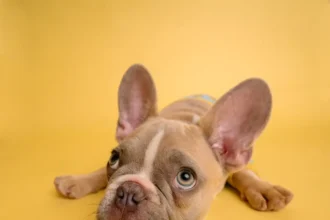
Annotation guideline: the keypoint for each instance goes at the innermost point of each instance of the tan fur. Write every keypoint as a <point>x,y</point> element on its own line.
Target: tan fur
<point>182,139</point>
<point>77,186</point>
<point>261,195</point>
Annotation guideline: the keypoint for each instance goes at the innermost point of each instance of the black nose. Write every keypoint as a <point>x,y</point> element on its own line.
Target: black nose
<point>129,195</point>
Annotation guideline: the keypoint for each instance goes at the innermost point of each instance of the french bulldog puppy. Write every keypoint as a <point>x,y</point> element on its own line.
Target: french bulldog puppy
<point>170,165</point>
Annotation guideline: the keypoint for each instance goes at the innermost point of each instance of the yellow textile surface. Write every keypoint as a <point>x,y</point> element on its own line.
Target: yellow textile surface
<point>61,63</point>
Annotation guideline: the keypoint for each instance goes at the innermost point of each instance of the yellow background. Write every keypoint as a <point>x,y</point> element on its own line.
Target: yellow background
<point>60,67</point>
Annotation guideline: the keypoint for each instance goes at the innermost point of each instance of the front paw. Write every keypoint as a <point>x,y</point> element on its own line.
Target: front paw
<point>70,186</point>
<point>263,196</point>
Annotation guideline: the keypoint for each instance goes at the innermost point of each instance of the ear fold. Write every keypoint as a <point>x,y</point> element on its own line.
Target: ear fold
<point>236,120</point>
<point>136,100</point>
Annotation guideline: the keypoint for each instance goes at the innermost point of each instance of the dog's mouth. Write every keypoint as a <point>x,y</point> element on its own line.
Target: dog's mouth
<point>143,211</point>
<point>133,206</point>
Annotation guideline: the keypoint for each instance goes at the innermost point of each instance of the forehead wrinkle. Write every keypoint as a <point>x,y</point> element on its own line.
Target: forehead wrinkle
<point>174,126</point>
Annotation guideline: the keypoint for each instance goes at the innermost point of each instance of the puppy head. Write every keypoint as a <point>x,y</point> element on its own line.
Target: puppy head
<point>167,169</point>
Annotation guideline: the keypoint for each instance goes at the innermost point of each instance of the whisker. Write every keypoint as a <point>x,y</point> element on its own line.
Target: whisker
<point>94,204</point>
<point>94,213</point>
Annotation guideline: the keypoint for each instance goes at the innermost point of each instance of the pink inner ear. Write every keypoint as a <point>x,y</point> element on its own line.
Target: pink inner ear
<point>136,100</point>
<point>236,120</point>
<point>235,159</point>
<point>123,129</point>
<point>233,155</point>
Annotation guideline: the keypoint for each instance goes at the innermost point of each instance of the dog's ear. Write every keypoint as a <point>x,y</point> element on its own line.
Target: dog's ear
<point>137,100</point>
<point>236,120</point>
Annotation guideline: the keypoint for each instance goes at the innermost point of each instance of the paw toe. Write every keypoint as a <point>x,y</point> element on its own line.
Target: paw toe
<point>256,200</point>
<point>288,196</point>
<point>66,186</point>
<point>277,197</point>
<point>266,197</point>
<point>276,203</point>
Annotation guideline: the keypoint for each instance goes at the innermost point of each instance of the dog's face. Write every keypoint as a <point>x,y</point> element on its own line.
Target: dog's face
<point>161,164</point>
<point>168,169</point>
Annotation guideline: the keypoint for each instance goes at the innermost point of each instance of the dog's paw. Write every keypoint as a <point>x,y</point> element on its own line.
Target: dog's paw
<point>263,196</point>
<point>71,186</point>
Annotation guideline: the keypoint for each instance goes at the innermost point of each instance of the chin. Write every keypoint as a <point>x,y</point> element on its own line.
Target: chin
<point>142,213</point>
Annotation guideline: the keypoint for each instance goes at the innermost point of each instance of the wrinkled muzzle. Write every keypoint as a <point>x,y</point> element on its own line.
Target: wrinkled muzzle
<point>133,197</point>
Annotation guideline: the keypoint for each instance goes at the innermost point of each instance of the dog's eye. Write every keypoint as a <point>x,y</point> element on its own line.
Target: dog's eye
<point>185,180</point>
<point>114,160</point>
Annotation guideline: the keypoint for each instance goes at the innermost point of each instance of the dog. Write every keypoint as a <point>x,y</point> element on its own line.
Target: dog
<point>170,165</point>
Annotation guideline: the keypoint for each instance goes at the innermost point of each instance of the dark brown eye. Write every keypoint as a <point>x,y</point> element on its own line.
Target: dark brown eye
<point>185,180</point>
<point>114,159</point>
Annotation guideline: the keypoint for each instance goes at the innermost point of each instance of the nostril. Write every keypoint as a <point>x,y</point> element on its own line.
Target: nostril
<point>136,200</point>
<point>120,193</point>
<point>129,195</point>
<point>121,198</point>
<point>138,197</point>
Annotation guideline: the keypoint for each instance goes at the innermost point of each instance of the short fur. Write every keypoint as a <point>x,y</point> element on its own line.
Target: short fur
<point>214,142</point>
